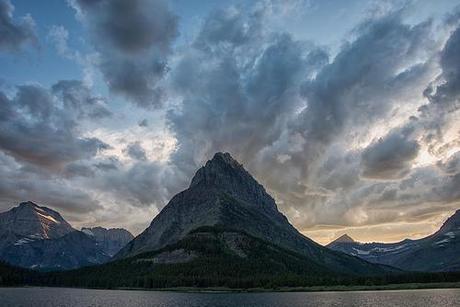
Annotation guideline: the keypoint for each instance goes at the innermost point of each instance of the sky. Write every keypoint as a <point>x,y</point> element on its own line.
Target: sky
<point>346,111</point>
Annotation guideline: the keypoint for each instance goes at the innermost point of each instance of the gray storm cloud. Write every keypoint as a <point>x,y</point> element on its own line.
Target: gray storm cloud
<point>390,157</point>
<point>447,93</point>
<point>42,146</point>
<point>15,34</point>
<point>35,129</point>
<point>135,151</point>
<point>134,40</point>
<point>21,182</point>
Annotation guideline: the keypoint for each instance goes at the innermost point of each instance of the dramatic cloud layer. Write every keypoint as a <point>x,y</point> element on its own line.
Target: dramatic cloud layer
<point>35,129</point>
<point>362,134</point>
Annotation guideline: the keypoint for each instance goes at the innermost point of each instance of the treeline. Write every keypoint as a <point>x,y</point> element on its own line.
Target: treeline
<point>263,266</point>
<point>14,276</point>
<point>199,275</point>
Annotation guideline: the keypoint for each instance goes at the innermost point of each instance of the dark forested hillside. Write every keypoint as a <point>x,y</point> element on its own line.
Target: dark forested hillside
<point>204,258</point>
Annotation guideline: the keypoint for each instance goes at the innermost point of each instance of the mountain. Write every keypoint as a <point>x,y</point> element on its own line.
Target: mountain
<point>438,252</point>
<point>110,240</point>
<point>73,250</point>
<point>342,239</point>
<point>223,195</point>
<point>31,221</point>
<point>37,237</point>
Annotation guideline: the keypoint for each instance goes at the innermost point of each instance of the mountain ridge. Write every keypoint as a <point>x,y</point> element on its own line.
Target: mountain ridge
<point>437,252</point>
<point>32,220</point>
<point>33,236</point>
<point>111,239</point>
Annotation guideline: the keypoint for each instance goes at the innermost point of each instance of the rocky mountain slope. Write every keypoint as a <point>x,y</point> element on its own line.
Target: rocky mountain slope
<point>439,252</point>
<point>223,195</point>
<point>110,240</point>
<point>37,237</point>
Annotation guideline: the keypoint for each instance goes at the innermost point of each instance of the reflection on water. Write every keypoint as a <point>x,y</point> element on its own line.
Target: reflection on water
<point>81,297</point>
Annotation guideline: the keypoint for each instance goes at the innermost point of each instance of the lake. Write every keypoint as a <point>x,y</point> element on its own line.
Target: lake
<point>37,297</point>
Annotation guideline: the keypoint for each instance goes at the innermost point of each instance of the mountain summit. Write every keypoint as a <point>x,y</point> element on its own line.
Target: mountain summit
<point>226,174</point>
<point>342,239</point>
<point>223,195</point>
<point>33,221</point>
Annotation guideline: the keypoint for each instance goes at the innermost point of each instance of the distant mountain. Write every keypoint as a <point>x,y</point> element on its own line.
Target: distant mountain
<point>37,237</point>
<point>110,240</point>
<point>342,239</point>
<point>29,220</point>
<point>439,252</point>
<point>73,250</point>
<point>224,196</point>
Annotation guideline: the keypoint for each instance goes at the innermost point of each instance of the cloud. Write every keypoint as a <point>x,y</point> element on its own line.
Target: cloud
<point>365,77</point>
<point>229,27</point>
<point>78,169</point>
<point>451,165</point>
<point>143,123</point>
<point>59,36</point>
<point>34,129</point>
<point>110,164</point>
<point>439,116</point>
<point>77,98</point>
<point>18,184</point>
<point>142,184</point>
<point>14,35</point>
<point>390,157</point>
<point>135,151</point>
<point>445,91</point>
<point>237,91</point>
<point>134,40</point>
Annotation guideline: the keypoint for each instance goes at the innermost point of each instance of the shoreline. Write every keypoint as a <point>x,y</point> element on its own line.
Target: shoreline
<point>216,290</point>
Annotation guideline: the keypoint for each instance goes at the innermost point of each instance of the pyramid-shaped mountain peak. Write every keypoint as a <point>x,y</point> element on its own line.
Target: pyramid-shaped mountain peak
<point>344,239</point>
<point>29,207</point>
<point>226,175</point>
<point>224,157</point>
<point>220,166</point>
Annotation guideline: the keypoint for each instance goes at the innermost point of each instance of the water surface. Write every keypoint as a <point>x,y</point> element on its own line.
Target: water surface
<point>82,297</point>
